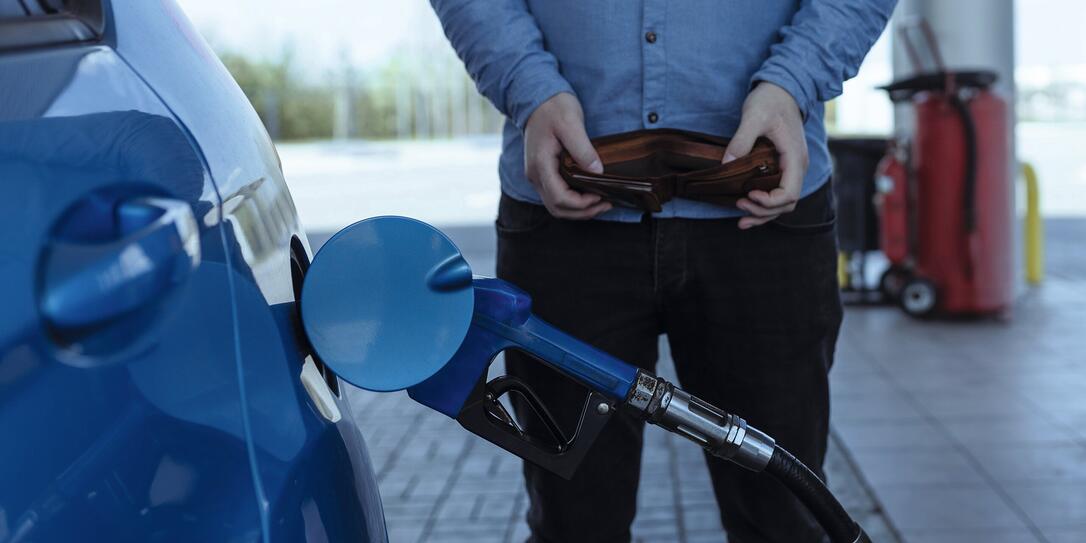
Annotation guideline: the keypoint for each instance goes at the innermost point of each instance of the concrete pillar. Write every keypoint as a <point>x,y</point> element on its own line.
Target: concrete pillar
<point>972,34</point>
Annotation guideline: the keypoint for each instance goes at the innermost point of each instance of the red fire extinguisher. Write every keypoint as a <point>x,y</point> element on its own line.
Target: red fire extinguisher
<point>944,195</point>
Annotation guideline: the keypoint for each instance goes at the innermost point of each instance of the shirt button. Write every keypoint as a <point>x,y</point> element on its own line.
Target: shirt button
<point>653,117</point>
<point>650,37</point>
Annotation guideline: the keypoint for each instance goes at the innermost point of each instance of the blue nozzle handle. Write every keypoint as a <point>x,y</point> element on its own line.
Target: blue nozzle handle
<point>503,320</point>
<point>587,365</point>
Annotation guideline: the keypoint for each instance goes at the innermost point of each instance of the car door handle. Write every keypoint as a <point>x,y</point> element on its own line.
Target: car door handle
<point>90,283</point>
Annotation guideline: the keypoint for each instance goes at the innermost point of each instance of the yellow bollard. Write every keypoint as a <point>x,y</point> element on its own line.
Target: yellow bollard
<point>842,270</point>
<point>1035,228</point>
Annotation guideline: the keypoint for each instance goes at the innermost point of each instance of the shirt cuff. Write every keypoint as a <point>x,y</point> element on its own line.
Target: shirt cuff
<point>529,90</point>
<point>781,76</point>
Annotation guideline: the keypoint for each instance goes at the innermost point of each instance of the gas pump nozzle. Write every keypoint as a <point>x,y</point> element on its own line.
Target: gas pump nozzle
<point>389,304</point>
<point>503,320</point>
<point>723,435</point>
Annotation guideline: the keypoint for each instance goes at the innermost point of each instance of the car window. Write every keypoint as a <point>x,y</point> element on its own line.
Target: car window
<point>12,8</point>
<point>38,23</point>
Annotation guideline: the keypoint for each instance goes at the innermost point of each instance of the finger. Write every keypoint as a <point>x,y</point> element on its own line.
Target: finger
<point>762,199</point>
<point>743,140</point>
<point>539,158</point>
<point>793,153</point>
<point>574,138</point>
<point>556,191</point>
<point>746,223</point>
<point>584,214</point>
<point>758,210</point>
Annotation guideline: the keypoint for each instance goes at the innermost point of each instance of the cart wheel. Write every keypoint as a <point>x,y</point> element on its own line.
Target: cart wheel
<point>918,297</point>
<point>893,281</point>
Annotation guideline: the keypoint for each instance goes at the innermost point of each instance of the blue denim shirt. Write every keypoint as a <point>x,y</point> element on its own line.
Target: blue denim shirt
<point>693,73</point>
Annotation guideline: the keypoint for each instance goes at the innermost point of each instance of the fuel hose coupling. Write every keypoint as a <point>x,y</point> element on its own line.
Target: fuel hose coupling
<point>721,434</point>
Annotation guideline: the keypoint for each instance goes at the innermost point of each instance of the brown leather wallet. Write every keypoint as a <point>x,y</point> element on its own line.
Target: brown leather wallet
<point>645,169</point>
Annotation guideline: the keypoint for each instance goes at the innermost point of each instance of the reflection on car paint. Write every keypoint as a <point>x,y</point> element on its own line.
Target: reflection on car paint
<point>134,429</point>
<point>92,448</point>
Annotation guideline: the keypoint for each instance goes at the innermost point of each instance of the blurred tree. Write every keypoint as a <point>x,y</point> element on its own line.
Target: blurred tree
<point>290,108</point>
<point>404,97</point>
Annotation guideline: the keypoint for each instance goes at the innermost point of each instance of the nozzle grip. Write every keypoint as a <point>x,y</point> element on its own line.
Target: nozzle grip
<point>587,365</point>
<point>506,311</point>
<point>561,458</point>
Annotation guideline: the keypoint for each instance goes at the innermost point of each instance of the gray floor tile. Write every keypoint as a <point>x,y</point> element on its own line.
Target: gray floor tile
<point>657,513</point>
<point>412,512</point>
<point>690,498</point>
<point>918,434</point>
<point>1034,463</point>
<point>713,536</point>
<point>861,376</point>
<point>874,407</point>
<point>1012,535</point>
<point>1072,419</point>
<point>949,382</point>
<point>702,518</point>
<point>467,533</point>
<point>847,485</point>
<point>1050,377</point>
<point>1066,395</point>
<point>877,528</point>
<point>404,534</point>
<point>1001,430</point>
<point>974,402</point>
<point>1065,535</point>
<point>520,533</point>
<point>947,508</point>
<point>1051,505</point>
<point>883,469</point>
<point>656,532</point>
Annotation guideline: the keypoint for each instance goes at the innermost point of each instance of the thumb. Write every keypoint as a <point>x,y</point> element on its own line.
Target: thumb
<point>575,140</point>
<point>742,142</point>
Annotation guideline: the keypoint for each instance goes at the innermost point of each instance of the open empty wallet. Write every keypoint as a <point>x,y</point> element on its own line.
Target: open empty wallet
<point>645,169</point>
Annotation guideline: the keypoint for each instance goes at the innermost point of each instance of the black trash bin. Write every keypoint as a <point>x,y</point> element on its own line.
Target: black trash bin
<point>854,163</point>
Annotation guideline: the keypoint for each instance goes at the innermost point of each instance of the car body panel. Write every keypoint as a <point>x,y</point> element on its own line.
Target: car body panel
<point>158,421</point>
<point>91,445</point>
<point>260,223</point>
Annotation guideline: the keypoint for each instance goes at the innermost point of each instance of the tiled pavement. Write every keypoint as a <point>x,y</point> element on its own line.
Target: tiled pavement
<point>975,431</point>
<point>963,431</point>
<point>442,484</point>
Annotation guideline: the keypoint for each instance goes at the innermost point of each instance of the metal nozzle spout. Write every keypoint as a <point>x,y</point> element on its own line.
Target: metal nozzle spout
<point>721,434</point>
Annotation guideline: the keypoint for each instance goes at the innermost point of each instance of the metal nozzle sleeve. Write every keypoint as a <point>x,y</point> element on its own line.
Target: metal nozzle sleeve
<point>722,434</point>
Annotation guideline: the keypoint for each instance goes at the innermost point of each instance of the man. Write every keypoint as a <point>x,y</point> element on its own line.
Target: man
<point>746,295</point>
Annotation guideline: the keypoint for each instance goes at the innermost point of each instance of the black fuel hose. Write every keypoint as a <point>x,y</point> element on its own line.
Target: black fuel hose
<point>729,437</point>
<point>812,492</point>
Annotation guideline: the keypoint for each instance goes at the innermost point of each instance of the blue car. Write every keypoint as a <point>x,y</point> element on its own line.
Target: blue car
<point>155,383</point>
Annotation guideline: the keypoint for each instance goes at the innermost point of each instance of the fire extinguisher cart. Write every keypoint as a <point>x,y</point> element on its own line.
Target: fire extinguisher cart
<point>944,196</point>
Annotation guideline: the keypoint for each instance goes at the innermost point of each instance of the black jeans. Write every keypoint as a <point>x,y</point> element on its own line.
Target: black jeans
<point>751,317</point>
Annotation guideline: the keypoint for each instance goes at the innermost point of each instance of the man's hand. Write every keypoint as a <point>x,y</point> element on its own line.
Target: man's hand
<point>556,124</point>
<point>771,112</point>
